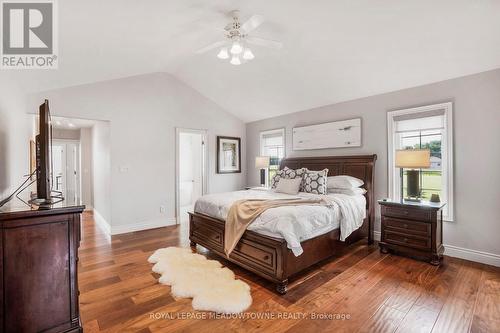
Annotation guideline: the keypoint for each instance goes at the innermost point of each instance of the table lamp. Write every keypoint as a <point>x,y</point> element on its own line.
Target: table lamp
<point>262,163</point>
<point>414,160</point>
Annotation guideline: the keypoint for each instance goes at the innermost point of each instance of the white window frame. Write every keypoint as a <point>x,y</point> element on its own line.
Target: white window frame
<point>282,131</point>
<point>447,141</point>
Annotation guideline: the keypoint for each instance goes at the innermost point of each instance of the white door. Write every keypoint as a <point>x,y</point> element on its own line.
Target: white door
<point>59,167</point>
<point>66,169</point>
<point>191,170</point>
<point>72,172</point>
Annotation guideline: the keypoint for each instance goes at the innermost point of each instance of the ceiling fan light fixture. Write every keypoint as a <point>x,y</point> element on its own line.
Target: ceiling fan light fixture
<point>223,54</point>
<point>235,60</point>
<point>236,48</point>
<point>248,54</point>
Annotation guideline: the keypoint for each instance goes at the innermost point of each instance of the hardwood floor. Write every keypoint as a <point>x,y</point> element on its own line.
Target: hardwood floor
<point>378,293</point>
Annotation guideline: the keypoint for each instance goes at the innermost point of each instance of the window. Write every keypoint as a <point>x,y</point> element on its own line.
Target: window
<point>427,127</point>
<point>272,144</point>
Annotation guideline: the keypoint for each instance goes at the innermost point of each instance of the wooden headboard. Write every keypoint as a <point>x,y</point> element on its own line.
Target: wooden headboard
<point>359,166</point>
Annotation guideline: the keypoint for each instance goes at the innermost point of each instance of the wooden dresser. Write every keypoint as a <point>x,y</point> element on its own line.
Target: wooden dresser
<point>38,267</point>
<point>412,228</point>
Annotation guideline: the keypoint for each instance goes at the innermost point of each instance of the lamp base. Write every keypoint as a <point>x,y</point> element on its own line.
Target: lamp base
<point>263,177</point>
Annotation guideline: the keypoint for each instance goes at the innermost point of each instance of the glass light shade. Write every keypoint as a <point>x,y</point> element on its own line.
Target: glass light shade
<point>223,54</point>
<point>235,60</point>
<point>247,54</point>
<point>236,48</point>
<point>413,158</point>
<point>262,162</point>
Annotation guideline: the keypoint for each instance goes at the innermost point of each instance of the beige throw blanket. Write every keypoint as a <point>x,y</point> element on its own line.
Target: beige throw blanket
<point>243,212</point>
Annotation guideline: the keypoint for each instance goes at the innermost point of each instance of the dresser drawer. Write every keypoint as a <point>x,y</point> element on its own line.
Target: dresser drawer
<point>407,226</point>
<point>407,213</point>
<point>207,232</point>
<point>399,238</point>
<point>255,255</point>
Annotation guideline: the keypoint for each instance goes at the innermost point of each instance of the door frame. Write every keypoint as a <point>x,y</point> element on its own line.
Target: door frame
<point>204,167</point>
<point>65,142</point>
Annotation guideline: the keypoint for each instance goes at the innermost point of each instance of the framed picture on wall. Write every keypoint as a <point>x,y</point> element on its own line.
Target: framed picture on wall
<point>228,154</point>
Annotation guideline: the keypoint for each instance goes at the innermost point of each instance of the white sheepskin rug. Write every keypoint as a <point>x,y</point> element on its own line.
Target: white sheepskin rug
<point>192,275</point>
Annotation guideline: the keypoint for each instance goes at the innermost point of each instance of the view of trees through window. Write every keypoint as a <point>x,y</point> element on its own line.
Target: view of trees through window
<point>431,179</point>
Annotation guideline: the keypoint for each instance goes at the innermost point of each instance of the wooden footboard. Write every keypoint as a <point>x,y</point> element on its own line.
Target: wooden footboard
<point>266,256</point>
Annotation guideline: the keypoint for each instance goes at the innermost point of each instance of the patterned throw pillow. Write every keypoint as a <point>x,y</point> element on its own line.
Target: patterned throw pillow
<point>287,173</point>
<point>315,181</point>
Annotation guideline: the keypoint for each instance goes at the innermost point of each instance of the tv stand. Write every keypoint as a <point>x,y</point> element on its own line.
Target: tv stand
<point>38,268</point>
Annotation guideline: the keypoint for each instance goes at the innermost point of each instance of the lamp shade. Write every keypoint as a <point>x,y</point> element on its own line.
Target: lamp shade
<point>261,162</point>
<point>413,158</point>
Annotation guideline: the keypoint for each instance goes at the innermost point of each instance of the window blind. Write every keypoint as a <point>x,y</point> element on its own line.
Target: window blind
<point>420,121</point>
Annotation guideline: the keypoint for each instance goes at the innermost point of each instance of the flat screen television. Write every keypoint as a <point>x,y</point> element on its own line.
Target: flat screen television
<point>43,153</point>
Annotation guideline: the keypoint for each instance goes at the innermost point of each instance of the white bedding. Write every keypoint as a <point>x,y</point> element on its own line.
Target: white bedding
<point>295,224</point>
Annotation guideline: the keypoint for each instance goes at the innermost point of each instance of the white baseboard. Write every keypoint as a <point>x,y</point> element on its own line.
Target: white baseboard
<point>88,208</point>
<point>101,222</point>
<point>462,253</point>
<point>472,255</point>
<point>151,224</point>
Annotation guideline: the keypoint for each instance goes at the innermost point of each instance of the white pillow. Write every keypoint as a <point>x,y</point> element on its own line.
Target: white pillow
<point>348,191</point>
<point>344,182</point>
<point>288,186</point>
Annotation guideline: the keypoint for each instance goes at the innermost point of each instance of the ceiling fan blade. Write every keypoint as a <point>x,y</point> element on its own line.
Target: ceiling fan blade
<point>252,23</point>
<point>211,46</point>
<point>273,44</point>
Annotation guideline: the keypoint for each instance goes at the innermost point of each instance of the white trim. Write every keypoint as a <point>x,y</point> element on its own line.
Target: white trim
<point>377,235</point>
<point>101,222</point>
<point>472,255</point>
<point>205,167</point>
<point>89,208</point>
<point>447,153</point>
<point>150,224</point>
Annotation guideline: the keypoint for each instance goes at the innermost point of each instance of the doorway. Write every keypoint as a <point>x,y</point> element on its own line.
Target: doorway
<point>191,170</point>
<point>66,169</point>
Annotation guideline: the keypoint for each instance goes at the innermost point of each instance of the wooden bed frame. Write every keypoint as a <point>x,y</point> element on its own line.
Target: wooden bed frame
<point>269,257</point>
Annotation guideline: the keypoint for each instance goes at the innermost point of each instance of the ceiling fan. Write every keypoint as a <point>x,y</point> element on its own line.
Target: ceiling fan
<point>237,39</point>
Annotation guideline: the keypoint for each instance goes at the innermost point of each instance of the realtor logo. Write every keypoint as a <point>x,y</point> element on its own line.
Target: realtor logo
<point>28,35</point>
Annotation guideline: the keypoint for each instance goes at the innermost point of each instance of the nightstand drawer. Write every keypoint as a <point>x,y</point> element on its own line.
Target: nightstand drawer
<point>414,241</point>
<point>407,227</point>
<point>407,213</point>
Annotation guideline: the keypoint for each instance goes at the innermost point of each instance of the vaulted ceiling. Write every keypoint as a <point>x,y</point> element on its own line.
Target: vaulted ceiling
<point>333,50</point>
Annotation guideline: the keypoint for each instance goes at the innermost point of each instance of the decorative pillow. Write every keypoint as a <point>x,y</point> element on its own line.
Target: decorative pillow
<point>315,181</point>
<point>348,191</point>
<point>287,173</point>
<point>289,186</point>
<point>344,182</point>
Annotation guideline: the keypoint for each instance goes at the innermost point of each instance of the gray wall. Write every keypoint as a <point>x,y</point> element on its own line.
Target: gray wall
<point>101,173</point>
<point>143,112</point>
<point>86,166</point>
<point>66,134</point>
<point>476,116</point>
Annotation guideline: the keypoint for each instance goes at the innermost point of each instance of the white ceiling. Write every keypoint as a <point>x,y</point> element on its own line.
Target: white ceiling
<point>333,50</point>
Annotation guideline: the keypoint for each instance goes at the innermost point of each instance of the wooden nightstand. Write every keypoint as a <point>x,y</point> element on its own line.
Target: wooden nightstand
<point>412,228</point>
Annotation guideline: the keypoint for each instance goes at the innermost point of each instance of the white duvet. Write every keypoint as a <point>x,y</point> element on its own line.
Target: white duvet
<point>295,224</point>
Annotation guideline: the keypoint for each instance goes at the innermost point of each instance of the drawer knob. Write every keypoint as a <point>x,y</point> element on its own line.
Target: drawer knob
<point>405,225</point>
<point>405,212</point>
<point>406,240</point>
